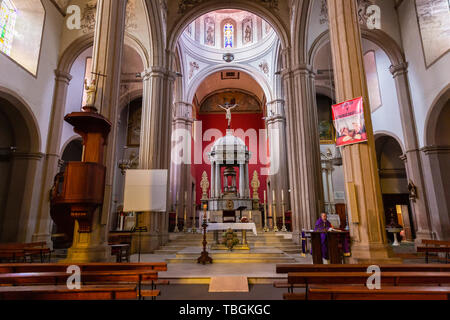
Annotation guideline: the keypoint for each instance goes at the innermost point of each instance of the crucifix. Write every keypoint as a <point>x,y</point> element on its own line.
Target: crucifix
<point>228,107</point>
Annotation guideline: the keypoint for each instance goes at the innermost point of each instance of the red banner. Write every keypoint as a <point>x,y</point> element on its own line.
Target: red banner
<point>348,119</point>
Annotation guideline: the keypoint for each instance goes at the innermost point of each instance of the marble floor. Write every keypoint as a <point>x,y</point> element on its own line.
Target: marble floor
<point>198,273</point>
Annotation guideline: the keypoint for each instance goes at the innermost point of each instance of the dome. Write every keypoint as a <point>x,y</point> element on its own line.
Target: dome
<point>228,140</point>
<point>230,149</point>
<point>228,30</point>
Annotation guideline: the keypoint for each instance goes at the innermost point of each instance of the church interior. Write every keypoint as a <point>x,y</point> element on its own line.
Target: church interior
<point>208,149</point>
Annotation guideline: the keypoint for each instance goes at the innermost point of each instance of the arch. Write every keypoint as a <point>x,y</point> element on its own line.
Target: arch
<point>301,17</point>
<point>69,141</point>
<point>79,45</point>
<point>33,134</point>
<point>326,91</point>
<point>378,37</point>
<point>22,166</point>
<point>433,116</point>
<point>76,47</point>
<point>383,133</point>
<point>249,6</point>
<point>129,97</point>
<point>252,72</point>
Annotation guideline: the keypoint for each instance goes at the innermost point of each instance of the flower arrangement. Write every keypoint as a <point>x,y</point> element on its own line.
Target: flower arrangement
<point>230,239</point>
<point>244,220</point>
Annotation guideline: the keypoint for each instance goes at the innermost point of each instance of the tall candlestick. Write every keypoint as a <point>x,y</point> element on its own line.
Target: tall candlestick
<point>185,212</point>
<point>283,229</point>
<point>194,213</point>
<point>274,205</point>
<point>266,228</point>
<point>176,230</point>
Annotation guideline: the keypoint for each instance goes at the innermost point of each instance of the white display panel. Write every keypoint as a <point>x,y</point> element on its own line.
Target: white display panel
<point>145,190</point>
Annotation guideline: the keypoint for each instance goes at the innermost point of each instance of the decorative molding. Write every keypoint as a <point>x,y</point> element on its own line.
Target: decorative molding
<point>435,150</point>
<point>185,5</point>
<point>193,68</point>
<point>264,67</point>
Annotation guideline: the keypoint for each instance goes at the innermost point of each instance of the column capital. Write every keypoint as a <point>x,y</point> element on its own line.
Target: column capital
<point>299,69</point>
<point>28,155</point>
<point>275,111</point>
<point>63,76</point>
<point>435,149</point>
<point>183,111</point>
<point>399,69</point>
<point>404,157</point>
<point>158,72</point>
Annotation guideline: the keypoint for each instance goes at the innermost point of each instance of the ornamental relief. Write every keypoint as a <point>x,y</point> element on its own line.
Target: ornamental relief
<point>90,11</point>
<point>185,5</point>
<point>364,15</point>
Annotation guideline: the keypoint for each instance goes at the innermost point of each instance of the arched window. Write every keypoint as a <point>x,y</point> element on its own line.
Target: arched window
<point>8,15</point>
<point>228,31</point>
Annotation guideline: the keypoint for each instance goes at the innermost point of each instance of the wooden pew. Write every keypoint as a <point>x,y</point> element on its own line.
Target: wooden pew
<point>90,267</point>
<point>287,268</point>
<point>138,277</point>
<point>435,246</point>
<point>62,267</point>
<point>22,251</point>
<point>96,292</point>
<point>360,278</point>
<point>335,292</point>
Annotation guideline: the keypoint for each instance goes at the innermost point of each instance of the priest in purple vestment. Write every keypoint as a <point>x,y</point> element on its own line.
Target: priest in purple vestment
<point>323,225</point>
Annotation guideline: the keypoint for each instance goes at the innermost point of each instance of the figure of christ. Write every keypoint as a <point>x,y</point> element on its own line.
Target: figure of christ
<point>228,107</point>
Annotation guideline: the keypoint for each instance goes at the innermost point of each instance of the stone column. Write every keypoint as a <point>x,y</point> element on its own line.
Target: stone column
<point>276,130</point>
<point>367,225</point>
<point>218,183</point>
<point>182,179</point>
<point>305,179</point>
<point>247,182</point>
<point>106,69</point>
<point>413,163</point>
<point>213,181</point>
<point>155,150</point>
<point>43,220</point>
<point>436,161</point>
<point>241,181</point>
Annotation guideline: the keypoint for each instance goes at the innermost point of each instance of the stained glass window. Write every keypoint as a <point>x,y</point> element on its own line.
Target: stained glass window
<point>228,34</point>
<point>8,14</point>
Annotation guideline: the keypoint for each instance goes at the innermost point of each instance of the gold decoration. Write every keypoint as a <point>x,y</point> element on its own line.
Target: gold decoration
<point>255,185</point>
<point>204,184</point>
<point>91,92</point>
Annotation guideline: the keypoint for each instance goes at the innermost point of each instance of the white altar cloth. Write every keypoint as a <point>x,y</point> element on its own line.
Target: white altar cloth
<point>232,226</point>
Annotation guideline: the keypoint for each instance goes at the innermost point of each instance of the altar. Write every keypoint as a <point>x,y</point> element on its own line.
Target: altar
<point>244,227</point>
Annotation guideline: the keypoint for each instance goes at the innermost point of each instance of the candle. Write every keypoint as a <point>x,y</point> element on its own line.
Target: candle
<point>264,196</point>
<point>282,195</point>
<point>178,196</point>
<point>273,196</point>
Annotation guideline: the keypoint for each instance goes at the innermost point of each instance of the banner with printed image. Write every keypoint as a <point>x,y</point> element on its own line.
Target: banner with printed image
<point>348,119</point>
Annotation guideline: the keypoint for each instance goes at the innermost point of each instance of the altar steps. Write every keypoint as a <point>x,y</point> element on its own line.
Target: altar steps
<point>280,244</point>
<point>268,255</point>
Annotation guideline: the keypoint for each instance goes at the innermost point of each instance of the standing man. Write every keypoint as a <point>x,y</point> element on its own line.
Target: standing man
<point>323,225</point>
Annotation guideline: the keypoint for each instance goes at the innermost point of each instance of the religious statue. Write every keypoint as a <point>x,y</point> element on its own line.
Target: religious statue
<point>255,185</point>
<point>204,184</point>
<point>412,189</point>
<point>91,91</point>
<point>228,107</point>
<point>248,34</point>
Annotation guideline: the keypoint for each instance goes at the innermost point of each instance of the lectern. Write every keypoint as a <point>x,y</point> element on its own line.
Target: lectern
<point>335,245</point>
